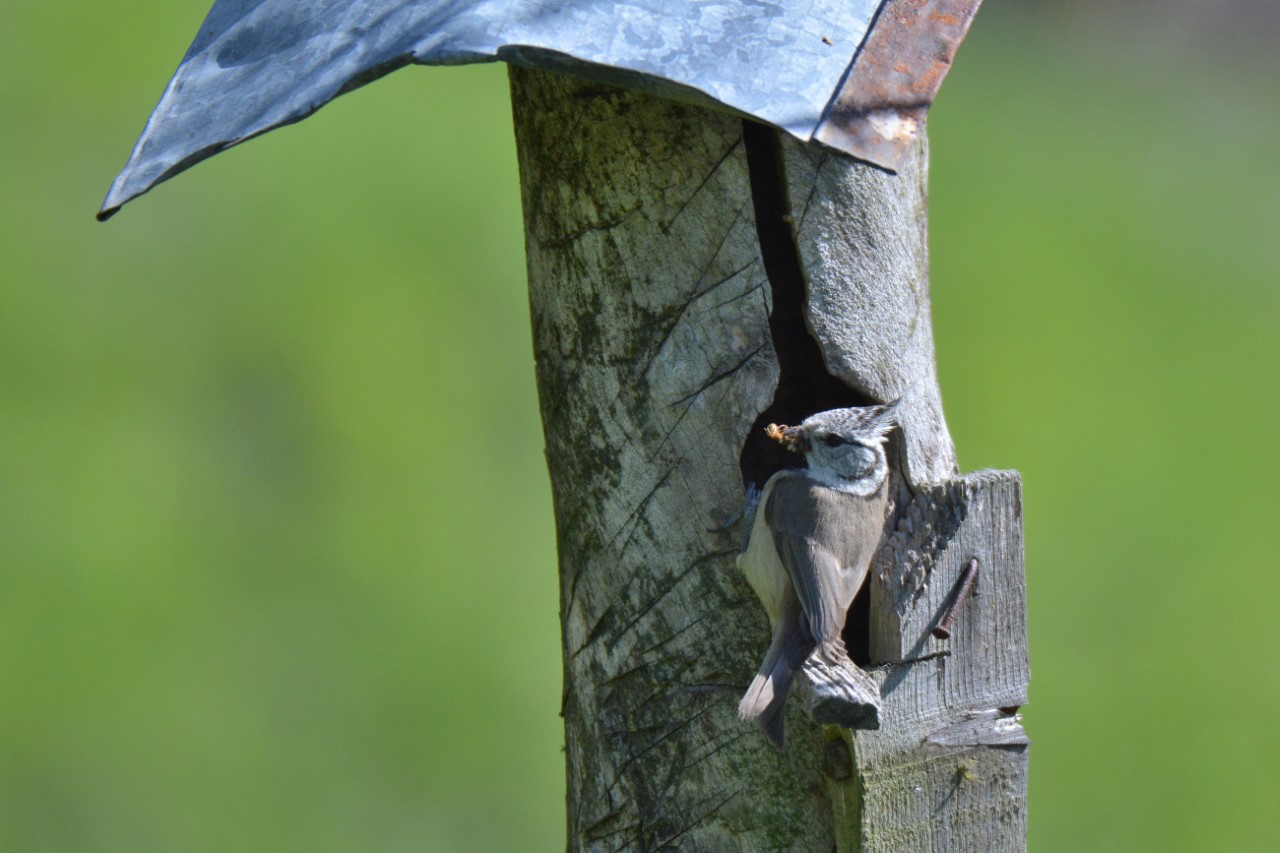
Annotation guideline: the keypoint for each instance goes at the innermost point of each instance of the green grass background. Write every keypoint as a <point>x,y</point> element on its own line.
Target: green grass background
<point>277,566</point>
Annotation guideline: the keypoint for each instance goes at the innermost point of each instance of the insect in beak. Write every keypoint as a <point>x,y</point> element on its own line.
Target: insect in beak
<point>792,438</point>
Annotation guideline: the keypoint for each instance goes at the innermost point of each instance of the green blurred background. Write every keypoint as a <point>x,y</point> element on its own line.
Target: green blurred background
<point>251,429</point>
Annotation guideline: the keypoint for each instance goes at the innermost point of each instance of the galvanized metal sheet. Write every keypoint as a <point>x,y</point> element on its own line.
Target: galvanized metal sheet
<point>259,64</point>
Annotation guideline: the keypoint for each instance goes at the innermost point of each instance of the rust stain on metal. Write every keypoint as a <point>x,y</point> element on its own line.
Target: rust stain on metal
<point>880,110</point>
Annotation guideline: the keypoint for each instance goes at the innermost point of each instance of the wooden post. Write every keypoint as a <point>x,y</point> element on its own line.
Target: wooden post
<point>692,276</point>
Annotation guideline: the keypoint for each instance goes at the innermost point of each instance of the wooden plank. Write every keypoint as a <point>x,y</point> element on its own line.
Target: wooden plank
<point>947,770</point>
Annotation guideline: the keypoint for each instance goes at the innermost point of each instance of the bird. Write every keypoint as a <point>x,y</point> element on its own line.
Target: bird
<point>810,546</point>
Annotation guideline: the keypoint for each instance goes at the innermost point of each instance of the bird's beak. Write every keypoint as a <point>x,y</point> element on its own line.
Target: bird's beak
<point>792,438</point>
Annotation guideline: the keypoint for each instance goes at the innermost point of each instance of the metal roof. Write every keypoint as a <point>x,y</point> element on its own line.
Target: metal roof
<point>806,66</point>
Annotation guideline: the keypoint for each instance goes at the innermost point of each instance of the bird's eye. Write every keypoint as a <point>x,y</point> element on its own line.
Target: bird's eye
<point>833,440</point>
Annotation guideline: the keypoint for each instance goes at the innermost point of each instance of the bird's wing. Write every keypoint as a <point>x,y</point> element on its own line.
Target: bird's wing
<point>797,514</point>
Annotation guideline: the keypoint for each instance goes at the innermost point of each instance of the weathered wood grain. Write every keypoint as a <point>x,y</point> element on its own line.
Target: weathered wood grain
<point>863,239</point>
<point>650,314</point>
<point>655,356</point>
<point>947,770</point>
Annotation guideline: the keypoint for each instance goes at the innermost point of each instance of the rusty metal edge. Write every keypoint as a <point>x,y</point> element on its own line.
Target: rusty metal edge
<point>880,109</point>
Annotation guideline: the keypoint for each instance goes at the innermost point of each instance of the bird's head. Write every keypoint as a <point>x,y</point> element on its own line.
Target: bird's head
<point>844,447</point>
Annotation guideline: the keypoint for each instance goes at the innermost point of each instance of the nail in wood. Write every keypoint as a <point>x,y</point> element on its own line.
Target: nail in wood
<point>967,577</point>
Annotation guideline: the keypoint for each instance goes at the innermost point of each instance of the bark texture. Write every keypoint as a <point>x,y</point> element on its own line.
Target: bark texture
<point>674,311</point>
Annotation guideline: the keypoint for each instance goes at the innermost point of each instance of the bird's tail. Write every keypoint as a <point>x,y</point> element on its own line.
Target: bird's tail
<point>765,701</point>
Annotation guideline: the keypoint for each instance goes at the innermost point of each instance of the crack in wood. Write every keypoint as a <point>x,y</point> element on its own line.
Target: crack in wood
<point>715,170</point>
<point>804,385</point>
